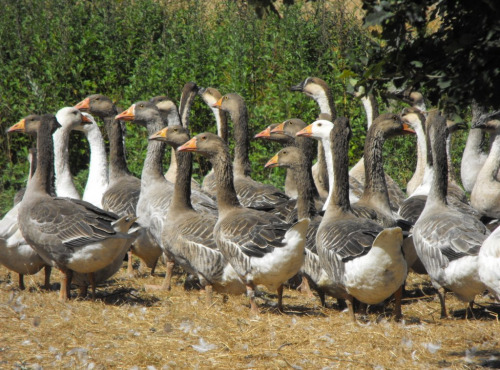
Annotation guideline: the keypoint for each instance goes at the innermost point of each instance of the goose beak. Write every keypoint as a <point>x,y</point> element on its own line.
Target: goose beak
<point>407,129</point>
<point>280,129</point>
<point>298,87</point>
<point>162,134</point>
<point>128,115</point>
<point>264,133</point>
<point>84,104</point>
<point>18,127</point>
<point>86,119</point>
<point>273,162</point>
<point>190,146</point>
<point>218,104</point>
<point>306,131</point>
<point>455,126</point>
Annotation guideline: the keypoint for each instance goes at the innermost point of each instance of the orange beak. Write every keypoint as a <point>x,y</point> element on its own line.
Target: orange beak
<point>280,129</point>
<point>217,104</point>
<point>127,115</point>
<point>273,162</point>
<point>264,133</point>
<point>86,119</point>
<point>190,146</point>
<point>306,131</point>
<point>162,134</point>
<point>18,127</point>
<point>408,130</point>
<point>84,104</point>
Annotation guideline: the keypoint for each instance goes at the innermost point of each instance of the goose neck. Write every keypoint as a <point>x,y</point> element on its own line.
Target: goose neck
<point>65,187</point>
<point>98,168</point>
<point>327,149</point>
<point>241,161</point>
<point>181,198</point>
<point>117,162</point>
<point>492,163</point>
<point>41,180</point>
<point>223,171</point>
<point>153,165</point>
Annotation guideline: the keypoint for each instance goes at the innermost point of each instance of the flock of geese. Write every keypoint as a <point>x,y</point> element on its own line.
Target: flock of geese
<point>349,234</point>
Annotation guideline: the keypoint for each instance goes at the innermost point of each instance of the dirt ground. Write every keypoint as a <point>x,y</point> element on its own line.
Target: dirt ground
<point>130,328</point>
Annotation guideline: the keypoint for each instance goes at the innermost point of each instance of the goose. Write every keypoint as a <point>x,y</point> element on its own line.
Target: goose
<point>489,260</point>
<point>69,118</point>
<point>123,190</point>
<point>188,233</point>
<point>320,92</point>
<point>261,247</point>
<point>447,242</point>
<point>69,234</point>
<point>266,134</point>
<point>15,254</point>
<point>361,258</point>
<point>210,96</point>
<point>485,194</point>
<point>250,192</point>
<point>299,166</point>
<point>156,191</point>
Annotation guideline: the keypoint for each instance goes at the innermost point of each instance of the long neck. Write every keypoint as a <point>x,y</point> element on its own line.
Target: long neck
<point>375,185</point>
<point>153,165</point>
<point>371,109</point>
<point>65,187</point>
<point>339,198</point>
<point>226,194</point>
<point>329,165</point>
<point>418,175</point>
<point>241,161</point>
<point>181,198</point>
<point>306,146</point>
<point>305,188</point>
<point>172,119</point>
<point>221,121</point>
<point>41,180</point>
<point>326,103</point>
<point>117,162</point>
<point>439,186</point>
<point>451,170</point>
<point>98,168</point>
<point>474,145</point>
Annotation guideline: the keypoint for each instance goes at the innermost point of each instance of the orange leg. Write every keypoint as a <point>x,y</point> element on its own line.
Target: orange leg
<point>21,282</point>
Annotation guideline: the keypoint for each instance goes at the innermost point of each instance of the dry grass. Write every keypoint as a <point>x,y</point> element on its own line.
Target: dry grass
<point>128,327</point>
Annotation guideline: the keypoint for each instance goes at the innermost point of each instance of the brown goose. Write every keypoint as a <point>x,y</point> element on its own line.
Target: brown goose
<point>447,241</point>
<point>210,96</point>
<point>67,233</point>
<point>188,233</point>
<point>363,260</point>
<point>261,248</point>
<point>123,191</point>
<point>156,191</point>
<point>250,192</point>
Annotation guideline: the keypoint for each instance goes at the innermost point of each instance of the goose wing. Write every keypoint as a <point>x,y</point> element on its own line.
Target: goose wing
<point>122,197</point>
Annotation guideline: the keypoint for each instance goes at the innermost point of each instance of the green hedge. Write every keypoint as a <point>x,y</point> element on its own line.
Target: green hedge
<point>53,53</point>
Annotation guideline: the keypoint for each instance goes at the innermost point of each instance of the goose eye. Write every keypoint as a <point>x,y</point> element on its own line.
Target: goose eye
<point>395,118</point>
<point>141,105</point>
<point>225,98</point>
<point>320,124</point>
<point>203,138</point>
<point>175,130</point>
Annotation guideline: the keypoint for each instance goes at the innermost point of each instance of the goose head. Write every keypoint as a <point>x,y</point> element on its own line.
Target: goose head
<point>389,124</point>
<point>269,134</point>
<point>413,117</point>
<point>167,108</point>
<point>141,112</point>
<point>313,87</point>
<point>172,135</point>
<point>289,157</point>
<point>492,126</point>
<point>319,130</point>
<point>33,123</point>
<point>207,144</point>
<point>230,103</point>
<point>455,126</point>
<point>209,95</point>
<point>70,118</point>
<point>98,105</point>
<point>289,127</point>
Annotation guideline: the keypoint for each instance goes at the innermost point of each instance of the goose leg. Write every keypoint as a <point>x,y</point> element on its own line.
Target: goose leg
<point>92,284</point>
<point>130,268</point>
<point>441,292</point>
<point>208,292</point>
<point>21,282</point>
<point>305,288</point>
<point>280,298</point>
<point>153,268</point>
<point>254,309</point>
<point>350,305</point>
<point>82,291</point>
<point>167,283</point>
<point>48,270</point>
<point>398,295</point>
<point>64,292</point>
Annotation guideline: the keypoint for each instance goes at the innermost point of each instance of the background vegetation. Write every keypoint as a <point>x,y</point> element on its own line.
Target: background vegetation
<point>53,53</point>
